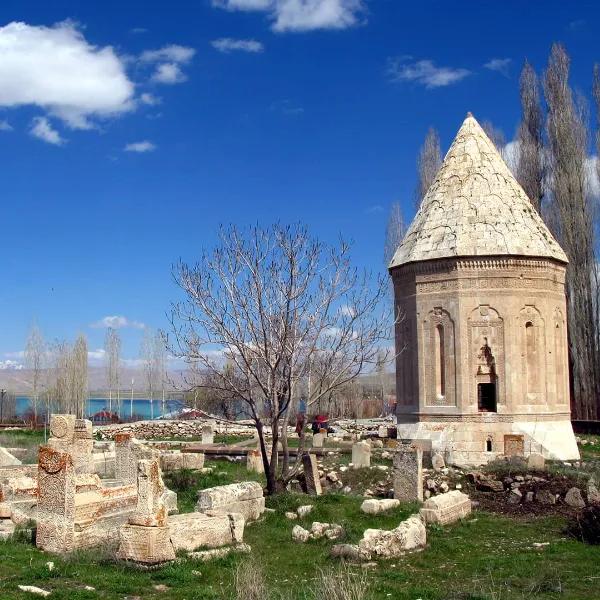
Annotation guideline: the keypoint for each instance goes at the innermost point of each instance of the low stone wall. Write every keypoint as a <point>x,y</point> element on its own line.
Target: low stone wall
<point>147,430</point>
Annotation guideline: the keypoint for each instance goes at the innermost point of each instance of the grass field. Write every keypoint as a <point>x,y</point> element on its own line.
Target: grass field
<point>487,557</point>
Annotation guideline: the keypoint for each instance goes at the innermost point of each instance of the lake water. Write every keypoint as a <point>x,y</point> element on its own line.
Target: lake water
<point>140,406</point>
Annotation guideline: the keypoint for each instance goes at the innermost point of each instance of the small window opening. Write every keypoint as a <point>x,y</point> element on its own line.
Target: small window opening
<point>488,445</point>
<point>486,397</point>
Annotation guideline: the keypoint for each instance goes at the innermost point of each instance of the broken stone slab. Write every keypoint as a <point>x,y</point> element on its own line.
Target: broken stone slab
<point>361,455</point>
<point>146,545</point>
<point>245,498</point>
<point>150,510</point>
<point>446,508</point>
<point>208,433</point>
<point>574,498</point>
<point>489,485</point>
<point>174,461</point>
<point>331,531</point>
<point>409,535</point>
<point>515,496</point>
<point>437,462</point>
<point>206,555</point>
<point>7,529</point>
<point>32,589</point>
<point>7,459</point>
<point>408,473</point>
<point>292,516</point>
<point>346,551</point>
<point>211,530</point>
<point>311,474</point>
<point>593,495</point>
<point>373,506</point>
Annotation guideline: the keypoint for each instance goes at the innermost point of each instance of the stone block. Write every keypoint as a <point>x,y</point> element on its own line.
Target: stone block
<point>318,440</point>
<point>372,506</point>
<point>254,462</point>
<point>408,474</point>
<point>245,498</point>
<point>536,462</point>
<point>361,455</point>
<point>146,545</point>
<point>446,508</point>
<point>311,474</point>
<point>208,433</point>
<point>150,510</point>
<point>211,530</point>
<point>437,461</point>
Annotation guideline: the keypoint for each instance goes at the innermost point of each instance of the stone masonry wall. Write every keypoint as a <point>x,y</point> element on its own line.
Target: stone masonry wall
<point>147,430</point>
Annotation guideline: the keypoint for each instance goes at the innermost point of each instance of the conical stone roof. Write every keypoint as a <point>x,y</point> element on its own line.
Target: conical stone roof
<point>475,207</point>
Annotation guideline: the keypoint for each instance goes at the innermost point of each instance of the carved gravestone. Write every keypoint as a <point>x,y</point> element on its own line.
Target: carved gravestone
<point>514,445</point>
<point>208,433</point>
<point>62,432</point>
<point>146,538</point>
<point>361,455</point>
<point>56,500</point>
<point>254,461</point>
<point>311,474</point>
<point>408,474</point>
<point>318,439</point>
<point>83,446</point>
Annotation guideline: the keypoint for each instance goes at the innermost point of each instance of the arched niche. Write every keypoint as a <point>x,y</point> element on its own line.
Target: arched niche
<point>532,340</point>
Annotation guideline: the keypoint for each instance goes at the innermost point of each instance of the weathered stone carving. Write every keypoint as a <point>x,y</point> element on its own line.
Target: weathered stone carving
<point>408,474</point>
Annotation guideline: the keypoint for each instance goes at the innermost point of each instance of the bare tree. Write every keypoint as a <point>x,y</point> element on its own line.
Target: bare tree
<point>394,233</point>
<point>112,353</point>
<point>78,373</point>
<point>280,306</point>
<point>160,362</point>
<point>35,359</point>
<point>567,140</point>
<point>428,164</point>
<point>148,356</point>
<point>530,165</point>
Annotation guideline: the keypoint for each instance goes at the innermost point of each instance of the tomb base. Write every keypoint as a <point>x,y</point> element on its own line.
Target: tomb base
<point>480,438</point>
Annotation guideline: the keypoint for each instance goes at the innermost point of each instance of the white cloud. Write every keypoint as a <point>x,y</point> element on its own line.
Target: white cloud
<point>98,354</point>
<point>498,64</point>
<point>150,99</point>
<point>168,62</point>
<point>17,354</point>
<point>424,72</point>
<point>117,322</point>
<point>10,365</point>
<point>42,129</point>
<point>511,154</point>
<point>173,53</point>
<point>145,146</point>
<point>168,73</point>
<point>57,69</point>
<point>227,45</point>
<point>5,126</point>
<point>301,15</point>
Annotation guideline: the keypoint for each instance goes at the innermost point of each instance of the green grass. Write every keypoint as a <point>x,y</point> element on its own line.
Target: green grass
<point>487,557</point>
<point>23,438</point>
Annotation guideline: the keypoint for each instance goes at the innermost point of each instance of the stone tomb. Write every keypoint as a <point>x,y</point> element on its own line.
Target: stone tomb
<point>75,510</point>
<point>245,498</point>
<point>72,435</point>
<point>174,461</point>
<point>446,508</point>
<point>361,455</point>
<point>408,474</point>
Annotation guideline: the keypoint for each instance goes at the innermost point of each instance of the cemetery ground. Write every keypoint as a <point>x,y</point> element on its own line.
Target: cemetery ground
<point>494,554</point>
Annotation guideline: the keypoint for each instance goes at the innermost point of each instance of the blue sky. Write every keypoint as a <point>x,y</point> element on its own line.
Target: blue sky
<point>130,130</point>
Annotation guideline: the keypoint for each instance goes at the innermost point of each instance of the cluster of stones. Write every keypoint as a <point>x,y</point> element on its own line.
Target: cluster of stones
<point>147,430</point>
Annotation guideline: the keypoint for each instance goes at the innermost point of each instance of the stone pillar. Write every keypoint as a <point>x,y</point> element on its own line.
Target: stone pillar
<point>311,474</point>
<point>208,433</point>
<point>146,537</point>
<point>254,461</point>
<point>56,500</point>
<point>361,455</point>
<point>83,446</point>
<point>408,474</point>
<point>124,468</point>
